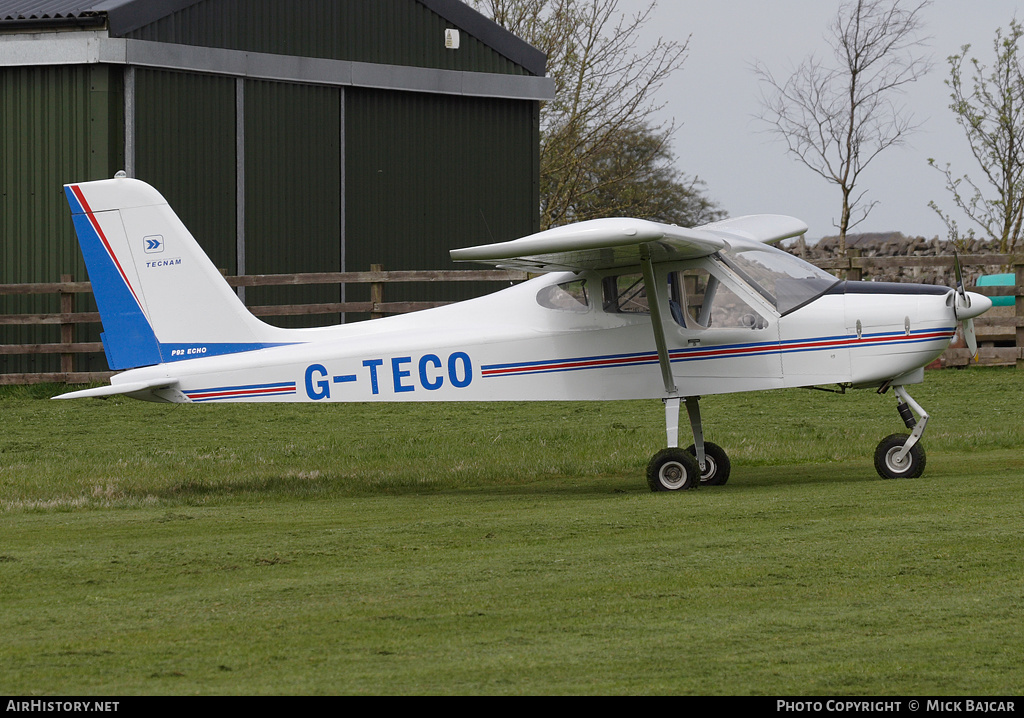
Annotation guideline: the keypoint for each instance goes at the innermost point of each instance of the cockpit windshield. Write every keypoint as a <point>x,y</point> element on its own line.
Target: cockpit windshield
<point>784,280</point>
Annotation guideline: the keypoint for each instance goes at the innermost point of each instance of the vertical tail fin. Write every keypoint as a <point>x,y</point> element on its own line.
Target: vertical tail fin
<point>160,297</point>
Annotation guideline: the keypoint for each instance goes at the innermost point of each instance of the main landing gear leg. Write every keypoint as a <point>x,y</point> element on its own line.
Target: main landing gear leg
<point>901,456</point>
<point>675,469</point>
<point>712,459</point>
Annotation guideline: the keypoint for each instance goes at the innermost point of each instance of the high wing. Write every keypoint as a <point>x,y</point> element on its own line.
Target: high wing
<point>622,242</point>
<point>766,228</point>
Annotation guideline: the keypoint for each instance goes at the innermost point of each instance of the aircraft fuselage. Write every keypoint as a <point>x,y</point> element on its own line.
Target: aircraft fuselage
<point>517,345</point>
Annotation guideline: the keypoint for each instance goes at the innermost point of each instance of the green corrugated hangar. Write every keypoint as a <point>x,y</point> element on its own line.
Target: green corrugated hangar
<point>289,135</point>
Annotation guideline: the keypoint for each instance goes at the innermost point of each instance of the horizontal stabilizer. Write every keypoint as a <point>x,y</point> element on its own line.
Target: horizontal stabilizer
<point>146,390</point>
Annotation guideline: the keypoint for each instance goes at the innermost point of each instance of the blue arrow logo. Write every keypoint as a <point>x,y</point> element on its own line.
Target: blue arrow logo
<point>154,244</point>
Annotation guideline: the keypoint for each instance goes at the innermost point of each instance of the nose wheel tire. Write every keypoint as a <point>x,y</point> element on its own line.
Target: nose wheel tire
<point>716,464</point>
<point>673,469</point>
<point>890,466</point>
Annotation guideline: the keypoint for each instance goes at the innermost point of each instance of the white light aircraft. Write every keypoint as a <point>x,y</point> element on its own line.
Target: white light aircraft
<point>623,309</point>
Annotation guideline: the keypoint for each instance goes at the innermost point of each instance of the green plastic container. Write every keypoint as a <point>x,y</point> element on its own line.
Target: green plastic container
<point>997,280</point>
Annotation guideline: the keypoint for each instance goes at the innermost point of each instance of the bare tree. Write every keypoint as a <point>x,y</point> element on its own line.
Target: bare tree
<point>991,113</point>
<point>837,118</point>
<point>602,153</point>
<point>637,177</point>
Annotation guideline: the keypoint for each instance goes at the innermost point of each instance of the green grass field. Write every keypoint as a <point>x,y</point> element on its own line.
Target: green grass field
<point>510,548</point>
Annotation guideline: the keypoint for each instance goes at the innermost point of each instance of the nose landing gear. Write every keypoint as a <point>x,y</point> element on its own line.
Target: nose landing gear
<point>901,456</point>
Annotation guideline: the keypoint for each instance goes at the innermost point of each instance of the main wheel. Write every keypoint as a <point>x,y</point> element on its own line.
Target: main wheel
<point>673,469</point>
<point>890,466</point>
<point>716,464</point>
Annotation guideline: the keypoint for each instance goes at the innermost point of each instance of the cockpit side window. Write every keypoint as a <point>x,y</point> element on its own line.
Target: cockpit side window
<point>566,297</point>
<point>699,300</point>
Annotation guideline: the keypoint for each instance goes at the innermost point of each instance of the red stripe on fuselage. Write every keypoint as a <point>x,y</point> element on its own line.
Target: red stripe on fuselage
<point>678,355</point>
<point>572,364</point>
<point>240,392</point>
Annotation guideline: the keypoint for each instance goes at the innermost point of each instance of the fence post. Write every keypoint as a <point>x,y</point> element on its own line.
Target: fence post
<point>67,329</point>
<point>1018,302</point>
<point>853,273</point>
<point>376,291</point>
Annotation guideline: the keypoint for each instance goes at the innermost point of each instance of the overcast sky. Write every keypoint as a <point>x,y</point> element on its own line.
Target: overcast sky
<point>715,97</point>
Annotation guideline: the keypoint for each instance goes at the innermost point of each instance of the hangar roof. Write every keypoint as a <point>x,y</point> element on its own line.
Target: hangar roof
<point>124,16</point>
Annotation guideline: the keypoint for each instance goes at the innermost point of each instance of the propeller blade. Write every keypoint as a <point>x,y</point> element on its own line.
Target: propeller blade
<point>963,300</point>
<point>962,306</point>
<point>961,289</point>
<point>970,338</point>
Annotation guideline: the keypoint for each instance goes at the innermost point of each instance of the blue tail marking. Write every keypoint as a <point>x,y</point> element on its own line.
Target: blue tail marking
<point>128,337</point>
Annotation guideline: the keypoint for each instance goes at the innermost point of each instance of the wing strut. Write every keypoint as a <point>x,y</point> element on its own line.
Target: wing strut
<point>654,304</point>
<point>672,397</point>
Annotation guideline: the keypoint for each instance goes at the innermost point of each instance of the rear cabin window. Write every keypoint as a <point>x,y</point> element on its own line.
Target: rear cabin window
<point>566,297</point>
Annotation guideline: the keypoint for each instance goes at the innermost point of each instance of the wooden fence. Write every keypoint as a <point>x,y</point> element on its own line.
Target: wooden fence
<point>1000,333</point>
<point>69,320</point>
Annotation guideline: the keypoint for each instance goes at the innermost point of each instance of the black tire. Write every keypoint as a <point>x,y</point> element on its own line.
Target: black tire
<point>885,458</point>
<point>717,466</point>
<point>673,469</point>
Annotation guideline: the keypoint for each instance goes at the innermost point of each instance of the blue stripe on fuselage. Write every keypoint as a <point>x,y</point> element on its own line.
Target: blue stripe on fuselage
<point>724,351</point>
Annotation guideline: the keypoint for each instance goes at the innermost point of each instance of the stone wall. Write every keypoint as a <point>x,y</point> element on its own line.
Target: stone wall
<point>895,244</point>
